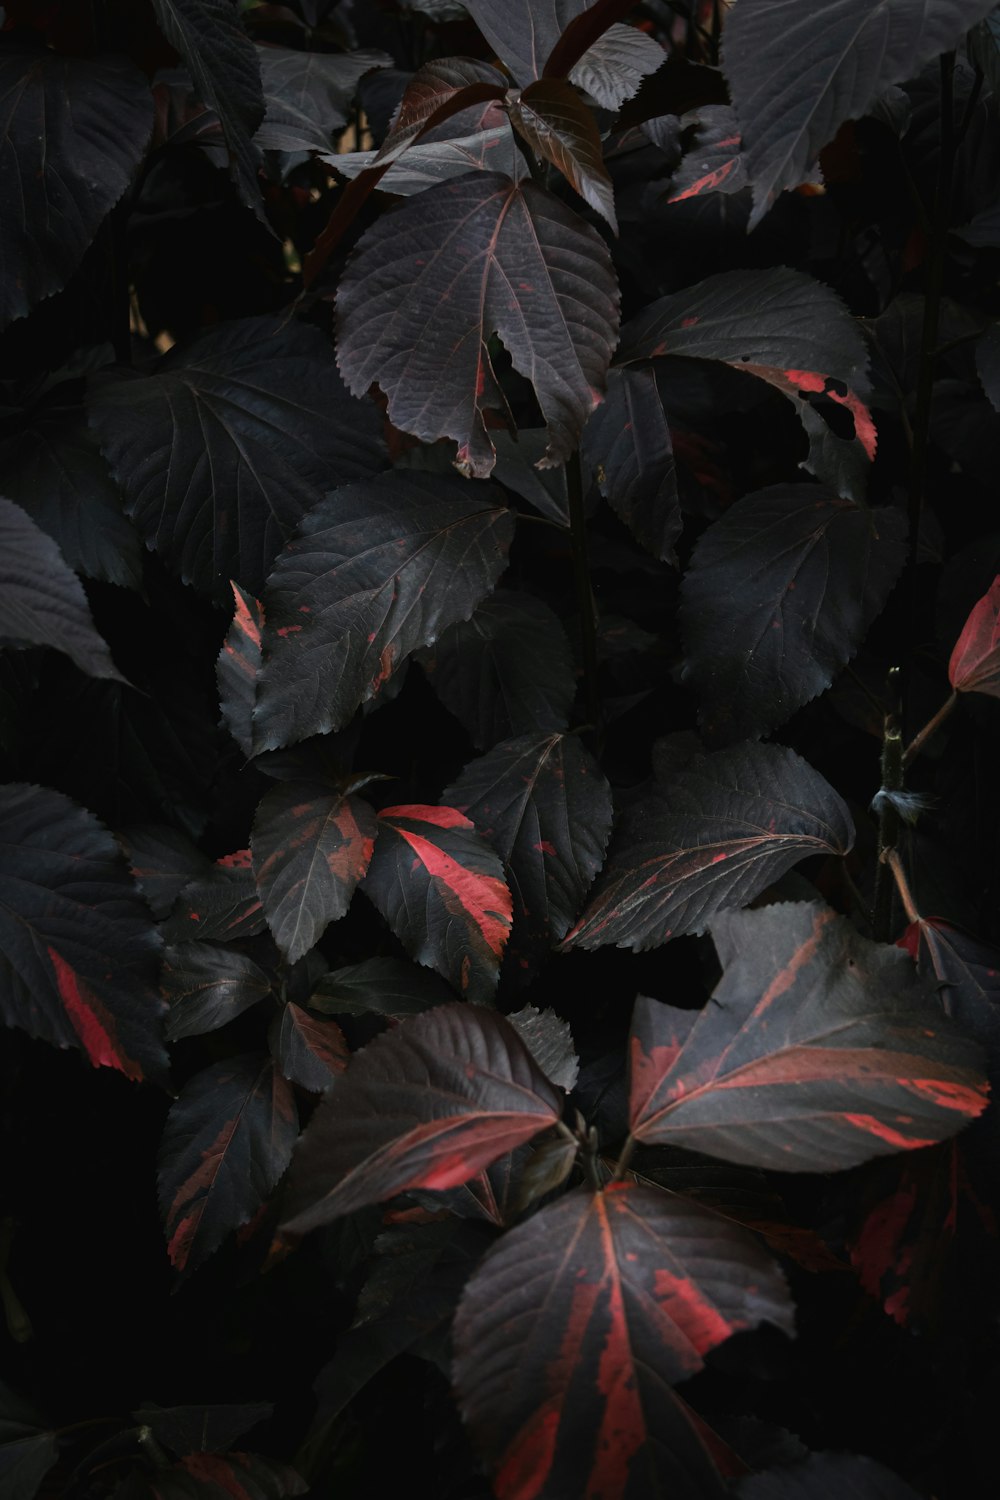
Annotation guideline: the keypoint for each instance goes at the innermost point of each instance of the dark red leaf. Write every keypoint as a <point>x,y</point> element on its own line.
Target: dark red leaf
<point>310,1052</point>
<point>441,889</point>
<point>780,594</point>
<point>967,973</point>
<point>493,148</point>
<point>430,283</point>
<point>227,1140</point>
<point>237,668</point>
<point>437,91</point>
<point>226,1476</point>
<point>627,444</point>
<point>207,985</point>
<point>792,69</point>
<point>42,602</point>
<point>827,1476</point>
<point>544,804</point>
<point>574,1327</point>
<point>377,570</point>
<point>819,1050</point>
<point>560,129</point>
<point>78,950</point>
<point>381,986</point>
<point>310,846</point>
<point>426,1105</point>
<point>222,904</point>
<point>201,1429</point>
<point>162,861</point>
<point>714,836</point>
<point>550,1041</point>
<point>713,163</point>
<point>307,95</point>
<point>975,662</point>
<point>505,672</point>
<point>786,329</point>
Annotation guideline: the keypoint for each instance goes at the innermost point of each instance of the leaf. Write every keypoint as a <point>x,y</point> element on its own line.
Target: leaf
<point>201,1429</point>
<point>818,1051</point>
<point>74,130</point>
<point>780,594</point>
<point>222,60</point>
<point>162,861</point>
<point>228,1138</point>
<point>715,836</point>
<point>975,662</point>
<point>627,444</point>
<point>560,129</point>
<point>306,95</point>
<point>575,1325</point>
<point>310,1052</point>
<point>797,71</point>
<point>237,667</point>
<point>221,904</point>
<point>786,329</point>
<point>429,162</point>
<point>506,671</point>
<point>426,1105</point>
<point>988,363</point>
<point>968,976</point>
<point>713,162</point>
<point>383,986</point>
<point>549,1040</point>
<point>441,889</point>
<point>27,1449</point>
<point>377,570</point>
<point>614,67</point>
<point>826,1476</point>
<point>223,1476</point>
<point>439,90</point>
<point>227,444</point>
<point>78,951</point>
<point>430,283</point>
<point>310,846</point>
<point>207,985</point>
<point>543,803</point>
<point>42,602</point>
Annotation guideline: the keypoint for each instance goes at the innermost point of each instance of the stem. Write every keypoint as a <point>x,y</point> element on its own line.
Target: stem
<point>895,864</point>
<point>888,829</point>
<point>932,726</point>
<point>624,1159</point>
<point>584,592</point>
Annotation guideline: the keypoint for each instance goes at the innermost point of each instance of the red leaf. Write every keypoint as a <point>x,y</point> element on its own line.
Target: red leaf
<point>818,1050</point>
<point>572,1329</point>
<point>310,1052</point>
<point>237,667</point>
<point>975,662</point>
<point>222,904</point>
<point>426,1105</point>
<point>224,1476</point>
<point>441,889</point>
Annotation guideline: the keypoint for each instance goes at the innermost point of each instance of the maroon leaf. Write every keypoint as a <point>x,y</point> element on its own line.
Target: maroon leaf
<point>975,662</point>
<point>381,986</point>
<point>376,571</point>
<point>574,1327</point>
<point>559,127</point>
<point>545,806</point>
<point>201,1429</point>
<point>506,671</point>
<point>441,889</point>
<point>786,329</point>
<point>310,846</point>
<point>779,595</point>
<point>819,1050</point>
<point>627,444</point>
<point>225,1476</point>
<point>967,972</point>
<point>207,985</point>
<point>227,1140</point>
<point>436,92</point>
<point>827,1476</point>
<point>426,1105</point>
<point>222,904</point>
<point>78,950</point>
<point>162,861</point>
<point>308,94</point>
<point>549,1040</point>
<point>713,163</point>
<point>42,602</point>
<point>430,283</point>
<point>793,72</point>
<point>715,836</point>
<point>237,667</point>
<point>492,149</point>
<point>310,1052</point>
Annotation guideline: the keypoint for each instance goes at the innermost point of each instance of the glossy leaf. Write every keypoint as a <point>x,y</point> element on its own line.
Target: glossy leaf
<point>227,1140</point>
<point>42,602</point>
<point>544,804</point>
<point>780,594</point>
<point>506,671</point>
<point>560,129</point>
<point>442,88</point>
<point>628,446</point>
<point>237,667</point>
<point>222,61</point>
<point>430,283</point>
<point>228,442</point>
<point>307,95</point>
<point>819,1050</point>
<point>827,1476</point>
<point>207,985</point>
<point>78,951</point>
<point>376,571</point>
<point>310,1052</point>
<point>714,836</point>
<point>426,1105</point>
<point>381,986</point>
<point>574,1327</point>
<point>223,904</point>
<point>310,846</point>
<point>74,130</point>
<point>493,149</point>
<point>797,70</point>
<point>975,662</point>
<point>441,889</point>
<point>788,330</point>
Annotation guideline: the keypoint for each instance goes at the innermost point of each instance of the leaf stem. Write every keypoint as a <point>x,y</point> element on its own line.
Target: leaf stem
<point>888,826</point>
<point>932,726</point>
<point>895,864</point>
<point>584,592</point>
<point>624,1159</point>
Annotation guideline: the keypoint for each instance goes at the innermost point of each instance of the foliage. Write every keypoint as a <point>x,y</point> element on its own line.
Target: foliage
<point>498,895</point>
